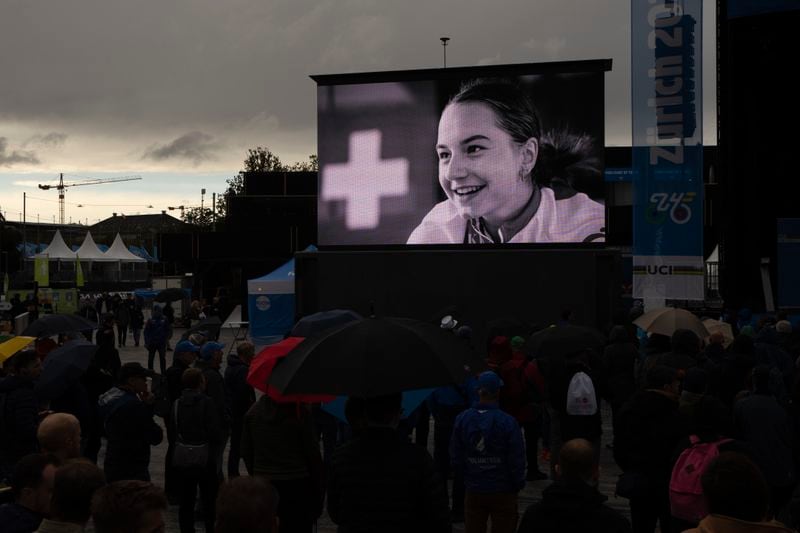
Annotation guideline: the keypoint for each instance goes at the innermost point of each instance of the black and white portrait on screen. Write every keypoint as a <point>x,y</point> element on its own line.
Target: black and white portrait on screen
<point>469,159</point>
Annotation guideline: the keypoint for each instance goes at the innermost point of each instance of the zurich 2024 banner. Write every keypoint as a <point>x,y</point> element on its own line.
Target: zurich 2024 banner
<point>666,88</point>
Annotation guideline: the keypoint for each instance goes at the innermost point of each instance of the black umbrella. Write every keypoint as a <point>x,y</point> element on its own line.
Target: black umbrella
<point>63,367</point>
<point>556,341</point>
<point>208,327</point>
<point>173,294</point>
<point>319,322</point>
<point>374,356</point>
<point>49,325</point>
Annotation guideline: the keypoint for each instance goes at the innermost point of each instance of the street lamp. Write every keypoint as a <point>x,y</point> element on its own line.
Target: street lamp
<point>444,48</point>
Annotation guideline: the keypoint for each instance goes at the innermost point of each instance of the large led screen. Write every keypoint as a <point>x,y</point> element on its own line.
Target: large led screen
<point>484,155</point>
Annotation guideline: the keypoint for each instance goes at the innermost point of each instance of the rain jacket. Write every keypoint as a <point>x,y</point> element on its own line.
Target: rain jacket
<point>487,448</point>
<point>130,431</point>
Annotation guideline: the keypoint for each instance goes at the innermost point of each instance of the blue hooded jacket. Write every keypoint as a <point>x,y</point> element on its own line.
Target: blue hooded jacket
<point>487,449</point>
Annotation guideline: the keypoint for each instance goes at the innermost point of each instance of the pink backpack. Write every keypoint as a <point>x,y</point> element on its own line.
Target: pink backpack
<point>686,499</point>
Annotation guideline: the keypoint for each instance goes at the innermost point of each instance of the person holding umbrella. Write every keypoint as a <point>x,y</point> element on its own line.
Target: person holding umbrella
<point>379,481</point>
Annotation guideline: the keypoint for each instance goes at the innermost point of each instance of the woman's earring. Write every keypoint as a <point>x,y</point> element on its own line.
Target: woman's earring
<point>522,173</point>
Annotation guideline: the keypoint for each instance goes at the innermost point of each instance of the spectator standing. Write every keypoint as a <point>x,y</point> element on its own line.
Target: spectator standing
<point>155,339</point>
<point>522,397</point>
<point>31,486</point>
<point>242,397</point>
<point>487,449</point>
<point>129,506</point>
<point>127,414</point>
<point>620,358</point>
<point>445,404</point>
<point>648,431</point>
<point>379,481</point>
<point>19,416</point>
<point>765,426</point>
<point>70,507</point>
<point>105,332</point>
<point>185,355</point>
<point>209,361</point>
<point>572,503</point>
<point>122,316</point>
<point>98,379</point>
<point>278,444</point>
<point>137,322</point>
<point>169,315</point>
<point>196,423</point>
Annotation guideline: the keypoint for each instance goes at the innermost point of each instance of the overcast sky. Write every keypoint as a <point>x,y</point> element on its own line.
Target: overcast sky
<point>176,91</point>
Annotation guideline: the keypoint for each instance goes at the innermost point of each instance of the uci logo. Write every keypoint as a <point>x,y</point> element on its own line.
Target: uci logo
<point>675,206</point>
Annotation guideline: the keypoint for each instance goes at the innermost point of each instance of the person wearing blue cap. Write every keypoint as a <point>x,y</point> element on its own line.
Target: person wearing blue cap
<point>487,449</point>
<point>209,361</point>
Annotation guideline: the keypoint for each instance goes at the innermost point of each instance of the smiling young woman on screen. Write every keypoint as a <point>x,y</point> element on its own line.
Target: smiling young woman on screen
<point>500,174</point>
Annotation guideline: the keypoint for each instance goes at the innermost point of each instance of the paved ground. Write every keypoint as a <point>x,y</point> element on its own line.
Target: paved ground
<point>531,493</point>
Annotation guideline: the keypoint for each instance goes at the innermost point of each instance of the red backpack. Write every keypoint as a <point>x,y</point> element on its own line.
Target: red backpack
<point>686,499</point>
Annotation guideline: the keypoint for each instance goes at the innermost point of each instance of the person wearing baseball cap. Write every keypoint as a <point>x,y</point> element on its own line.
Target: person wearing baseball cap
<point>127,414</point>
<point>487,449</point>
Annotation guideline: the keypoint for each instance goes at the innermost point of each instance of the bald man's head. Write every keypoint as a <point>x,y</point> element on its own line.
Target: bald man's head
<point>60,434</point>
<point>576,461</point>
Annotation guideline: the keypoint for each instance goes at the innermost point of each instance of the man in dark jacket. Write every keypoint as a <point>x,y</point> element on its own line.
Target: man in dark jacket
<point>487,449</point>
<point>241,396</point>
<point>127,413</point>
<point>766,427</point>
<point>381,482</point>
<point>19,415</point>
<point>209,361</point>
<point>31,485</point>
<point>572,503</point>
<point>196,424</point>
<point>648,430</point>
<point>185,354</point>
<point>155,339</point>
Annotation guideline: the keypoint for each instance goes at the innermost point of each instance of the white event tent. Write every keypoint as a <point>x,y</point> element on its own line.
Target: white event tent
<point>89,250</point>
<point>57,250</point>
<point>119,252</point>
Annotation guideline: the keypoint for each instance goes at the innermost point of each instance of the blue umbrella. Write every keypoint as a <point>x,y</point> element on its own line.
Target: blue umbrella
<point>313,324</point>
<point>63,367</point>
<point>411,400</point>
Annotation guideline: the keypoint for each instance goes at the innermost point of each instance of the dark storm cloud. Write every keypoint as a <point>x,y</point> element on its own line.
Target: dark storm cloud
<point>15,157</point>
<point>49,140</point>
<point>195,146</point>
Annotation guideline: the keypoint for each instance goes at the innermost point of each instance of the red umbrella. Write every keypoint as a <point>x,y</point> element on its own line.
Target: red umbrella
<point>263,364</point>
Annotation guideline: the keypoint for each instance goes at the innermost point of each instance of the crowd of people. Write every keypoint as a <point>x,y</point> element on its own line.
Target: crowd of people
<point>706,433</point>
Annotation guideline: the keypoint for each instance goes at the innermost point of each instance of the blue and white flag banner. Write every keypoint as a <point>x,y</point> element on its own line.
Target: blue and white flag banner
<point>666,91</point>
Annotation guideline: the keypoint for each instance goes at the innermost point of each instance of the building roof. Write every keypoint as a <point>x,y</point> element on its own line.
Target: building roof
<point>142,224</point>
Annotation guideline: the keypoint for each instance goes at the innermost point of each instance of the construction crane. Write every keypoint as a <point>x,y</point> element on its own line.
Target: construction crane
<point>62,187</point>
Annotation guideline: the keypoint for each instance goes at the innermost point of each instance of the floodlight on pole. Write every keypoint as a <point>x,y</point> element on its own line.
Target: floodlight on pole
<point>444,49</point>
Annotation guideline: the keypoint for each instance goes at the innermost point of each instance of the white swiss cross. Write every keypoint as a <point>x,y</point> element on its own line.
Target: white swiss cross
<point>364,180</point>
